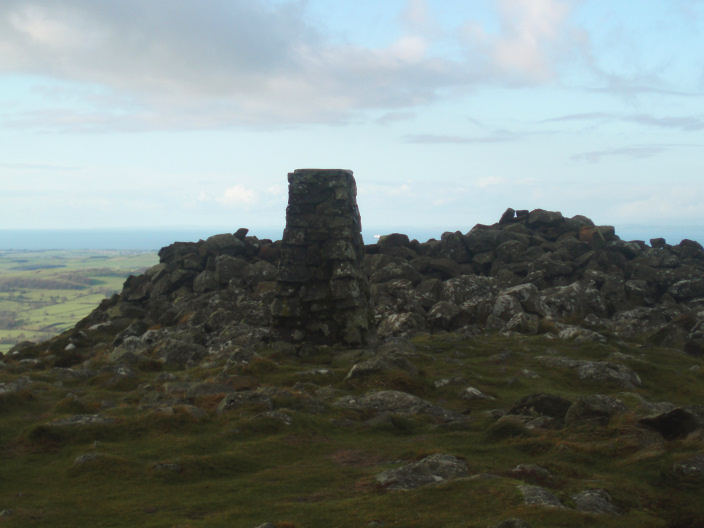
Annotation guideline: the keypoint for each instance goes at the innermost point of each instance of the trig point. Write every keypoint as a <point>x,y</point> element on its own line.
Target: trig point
<point>322,294</point>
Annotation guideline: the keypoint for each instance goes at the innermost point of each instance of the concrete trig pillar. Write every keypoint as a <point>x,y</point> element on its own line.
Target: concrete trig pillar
<point>322,294</point>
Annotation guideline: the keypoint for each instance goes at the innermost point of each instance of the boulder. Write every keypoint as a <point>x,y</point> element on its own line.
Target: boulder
<point>445,316</point>
<point>397,402</point>
<point>236,400</point>
<point>225,244</point>
<point>596,501</point>
<point>522,323</point>
<point>393,240</point>
<point>434,469</point>
<point>401,324</point>
<point>687,289</point>
<point>228,268</point>
<point>538,496</point>
<point>673,424</point>
<point>597,371</point>
<point>467,288</point>
<point>453,247</point>
<point>595,409</point>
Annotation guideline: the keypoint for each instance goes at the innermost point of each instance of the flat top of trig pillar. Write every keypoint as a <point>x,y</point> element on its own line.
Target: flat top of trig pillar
<point>319,174</point>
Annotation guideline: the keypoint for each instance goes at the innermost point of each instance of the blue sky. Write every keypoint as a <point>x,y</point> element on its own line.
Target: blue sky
<point>173,113</point>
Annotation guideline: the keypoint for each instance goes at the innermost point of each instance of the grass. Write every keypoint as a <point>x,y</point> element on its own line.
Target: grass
<point>43,293</point>
<point>240,469</point>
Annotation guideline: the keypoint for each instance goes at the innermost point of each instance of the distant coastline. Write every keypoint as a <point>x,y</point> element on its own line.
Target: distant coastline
<point>155,239</point>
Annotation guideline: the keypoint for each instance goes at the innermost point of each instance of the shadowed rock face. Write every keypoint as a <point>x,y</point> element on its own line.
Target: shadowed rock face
<point>322,294</point>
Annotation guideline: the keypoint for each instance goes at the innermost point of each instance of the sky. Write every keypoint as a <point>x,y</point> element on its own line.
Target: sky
<point>180,113</point>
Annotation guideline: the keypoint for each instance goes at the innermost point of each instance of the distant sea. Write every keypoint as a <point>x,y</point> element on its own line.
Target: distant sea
<point>155,239</point>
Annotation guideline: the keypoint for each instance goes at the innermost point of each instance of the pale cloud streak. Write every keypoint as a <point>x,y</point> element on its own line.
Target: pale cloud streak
<point>634,153</point>
<point>688,123</point>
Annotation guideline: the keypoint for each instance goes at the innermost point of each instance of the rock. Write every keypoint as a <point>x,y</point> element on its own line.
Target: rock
<point>530,473</point>
<point>443,315</point>
<point>507,217</point>
<point>537,496</point>
<point>594,409</point>
<point>687,289</point>
<point>245,398</point>
<point>598,371</point>
<point>512,522</point>
<point>529,297</point>
<point>397,402</point>
<point>402,324</point>
<point>277,416</point>
<point>167,466</point>
<point>20,383</point>
<point>206,281</point>
<point>454,247</point>
<point>225,244</point>
<point>379,364</point>
<point>179,353</point>
<point>433,469</point>
<point>597,501</point>
<point>522,323</point>
<point>394,271</point>
<point>673,424</point>
<point>82,419</point>
<point>580,335</point>
<point>472,393</point>
<point>229,268</point>
<point>393,240</point>
<point>541,404</point>
<point>690,468</point>
<point>606,372</point>
<point>467,288</point>
<point>447,268</point>
<point>87,458</point>
<point>576,299</point>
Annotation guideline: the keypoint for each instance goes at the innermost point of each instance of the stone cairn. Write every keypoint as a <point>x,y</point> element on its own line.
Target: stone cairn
<point>322,294</point>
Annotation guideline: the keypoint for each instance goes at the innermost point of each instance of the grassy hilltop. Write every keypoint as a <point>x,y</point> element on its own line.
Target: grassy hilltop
<point>522,375</point>
<point>159,447</point>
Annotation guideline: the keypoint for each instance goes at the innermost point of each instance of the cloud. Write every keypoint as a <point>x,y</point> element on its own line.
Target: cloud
<point>40,166</point>
<point>689,123</point>
<point>529,30</point>
<point>237,196</point>
<point>184,64</point>
<point>176,64</point>
<point>490,181</point>
<point>639,152</point>
<point>497,137</point>
<point>534,38</point>
<point>395,117</point>
<point>669,204</point>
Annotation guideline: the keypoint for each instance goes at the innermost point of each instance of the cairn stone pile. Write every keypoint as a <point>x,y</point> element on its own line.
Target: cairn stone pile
<point>322,294</point>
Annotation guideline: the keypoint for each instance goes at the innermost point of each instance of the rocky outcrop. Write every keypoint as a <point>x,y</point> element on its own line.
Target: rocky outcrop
<point>532,272</point>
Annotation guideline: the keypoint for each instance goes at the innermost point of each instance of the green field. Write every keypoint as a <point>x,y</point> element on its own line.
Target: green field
<point>43,293</point>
